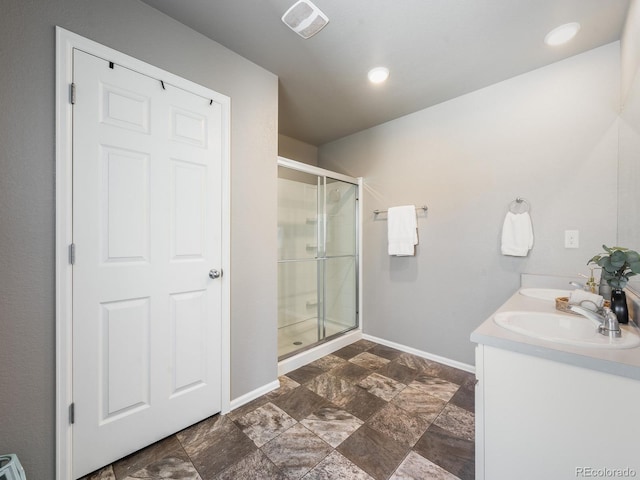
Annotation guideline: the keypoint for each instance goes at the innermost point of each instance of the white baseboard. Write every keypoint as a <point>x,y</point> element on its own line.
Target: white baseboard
<point>419,353</point>
<point>252,395</point>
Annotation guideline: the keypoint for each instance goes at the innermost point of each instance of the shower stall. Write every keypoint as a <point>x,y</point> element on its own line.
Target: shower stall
<point>318,247</point>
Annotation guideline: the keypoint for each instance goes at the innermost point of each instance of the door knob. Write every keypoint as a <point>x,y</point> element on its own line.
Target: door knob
<point>213,274</point>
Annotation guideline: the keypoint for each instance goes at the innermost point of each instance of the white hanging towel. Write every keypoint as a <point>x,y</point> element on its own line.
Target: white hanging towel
<point>517,234</point>
<point>402,230</point>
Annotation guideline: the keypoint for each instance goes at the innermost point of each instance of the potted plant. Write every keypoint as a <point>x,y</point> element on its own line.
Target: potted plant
<point>618,264</point>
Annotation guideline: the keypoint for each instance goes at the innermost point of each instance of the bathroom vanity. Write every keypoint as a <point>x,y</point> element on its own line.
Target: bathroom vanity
<point>549,410</point>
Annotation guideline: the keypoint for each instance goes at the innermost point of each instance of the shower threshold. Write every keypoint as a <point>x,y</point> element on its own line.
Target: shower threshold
<point>292,341</point>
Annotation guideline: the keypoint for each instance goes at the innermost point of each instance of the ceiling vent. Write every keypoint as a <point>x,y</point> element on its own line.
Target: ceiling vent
<point>305,18</point>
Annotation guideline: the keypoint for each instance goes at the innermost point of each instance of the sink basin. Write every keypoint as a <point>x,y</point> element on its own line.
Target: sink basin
<point>563,328</point>
<point>549,294</point>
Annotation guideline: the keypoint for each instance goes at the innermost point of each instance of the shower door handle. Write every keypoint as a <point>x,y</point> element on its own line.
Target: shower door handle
<point>213,274</point>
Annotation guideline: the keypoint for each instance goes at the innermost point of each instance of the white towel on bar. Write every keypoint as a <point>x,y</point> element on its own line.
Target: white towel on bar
<point>517,234</point>
<point>402,230</point>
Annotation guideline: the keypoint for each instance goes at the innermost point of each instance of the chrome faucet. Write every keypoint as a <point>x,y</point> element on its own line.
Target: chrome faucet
<point>607,323</point>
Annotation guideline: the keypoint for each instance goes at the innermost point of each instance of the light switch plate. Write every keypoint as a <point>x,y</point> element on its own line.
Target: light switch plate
<point>571,239</point>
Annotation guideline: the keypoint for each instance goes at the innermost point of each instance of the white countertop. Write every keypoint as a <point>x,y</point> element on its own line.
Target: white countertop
<point>623,362</point>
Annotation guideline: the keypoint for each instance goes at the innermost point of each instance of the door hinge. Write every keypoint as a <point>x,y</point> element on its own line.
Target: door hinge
<point>72,413</point>
<point>72,254</point>
<point>72,94</point>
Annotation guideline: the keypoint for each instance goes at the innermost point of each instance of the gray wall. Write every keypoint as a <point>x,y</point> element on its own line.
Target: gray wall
<point>27,223</point>
<point>549,136</point>
<point>297,150</point>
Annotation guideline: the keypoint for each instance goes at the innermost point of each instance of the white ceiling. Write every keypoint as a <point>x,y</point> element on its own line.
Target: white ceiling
<point>436,50</point>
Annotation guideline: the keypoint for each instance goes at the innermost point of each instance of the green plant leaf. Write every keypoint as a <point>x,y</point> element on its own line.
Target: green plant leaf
<point>594,259</point>
<point>635,267</point>
<point>632,257</point>
<point>607,249</point>
<point>618,258</point>
<point>605,263</point>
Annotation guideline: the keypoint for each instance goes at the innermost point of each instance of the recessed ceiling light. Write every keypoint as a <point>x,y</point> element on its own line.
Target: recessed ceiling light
<point>562,34</point>
<point>378,74</point>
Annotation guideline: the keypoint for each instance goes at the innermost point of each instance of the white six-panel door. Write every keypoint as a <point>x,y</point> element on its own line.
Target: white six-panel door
<point>147,232</point>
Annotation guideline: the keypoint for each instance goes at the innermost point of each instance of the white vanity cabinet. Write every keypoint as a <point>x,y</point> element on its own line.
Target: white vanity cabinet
<point>544,419</point>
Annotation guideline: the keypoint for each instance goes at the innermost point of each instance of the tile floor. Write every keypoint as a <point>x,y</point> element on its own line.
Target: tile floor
<point>364,412</point>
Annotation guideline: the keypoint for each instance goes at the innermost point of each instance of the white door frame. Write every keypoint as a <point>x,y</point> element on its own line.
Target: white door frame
<point>65,43</point>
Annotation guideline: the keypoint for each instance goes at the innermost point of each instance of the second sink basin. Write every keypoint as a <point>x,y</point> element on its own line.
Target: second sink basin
<point>563,328</point>
<point>544,293</point>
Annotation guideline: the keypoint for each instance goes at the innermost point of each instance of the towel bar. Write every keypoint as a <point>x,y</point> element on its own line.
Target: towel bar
<point>423,207</point>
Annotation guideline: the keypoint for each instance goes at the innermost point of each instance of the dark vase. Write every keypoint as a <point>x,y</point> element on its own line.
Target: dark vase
<point>619,305</point>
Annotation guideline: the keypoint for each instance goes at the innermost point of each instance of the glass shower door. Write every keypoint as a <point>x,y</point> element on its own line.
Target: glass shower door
<point>339,260</point>
<point>317,259</point>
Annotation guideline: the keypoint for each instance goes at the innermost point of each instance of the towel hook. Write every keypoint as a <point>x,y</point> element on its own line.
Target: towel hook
<point>519,205</point>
